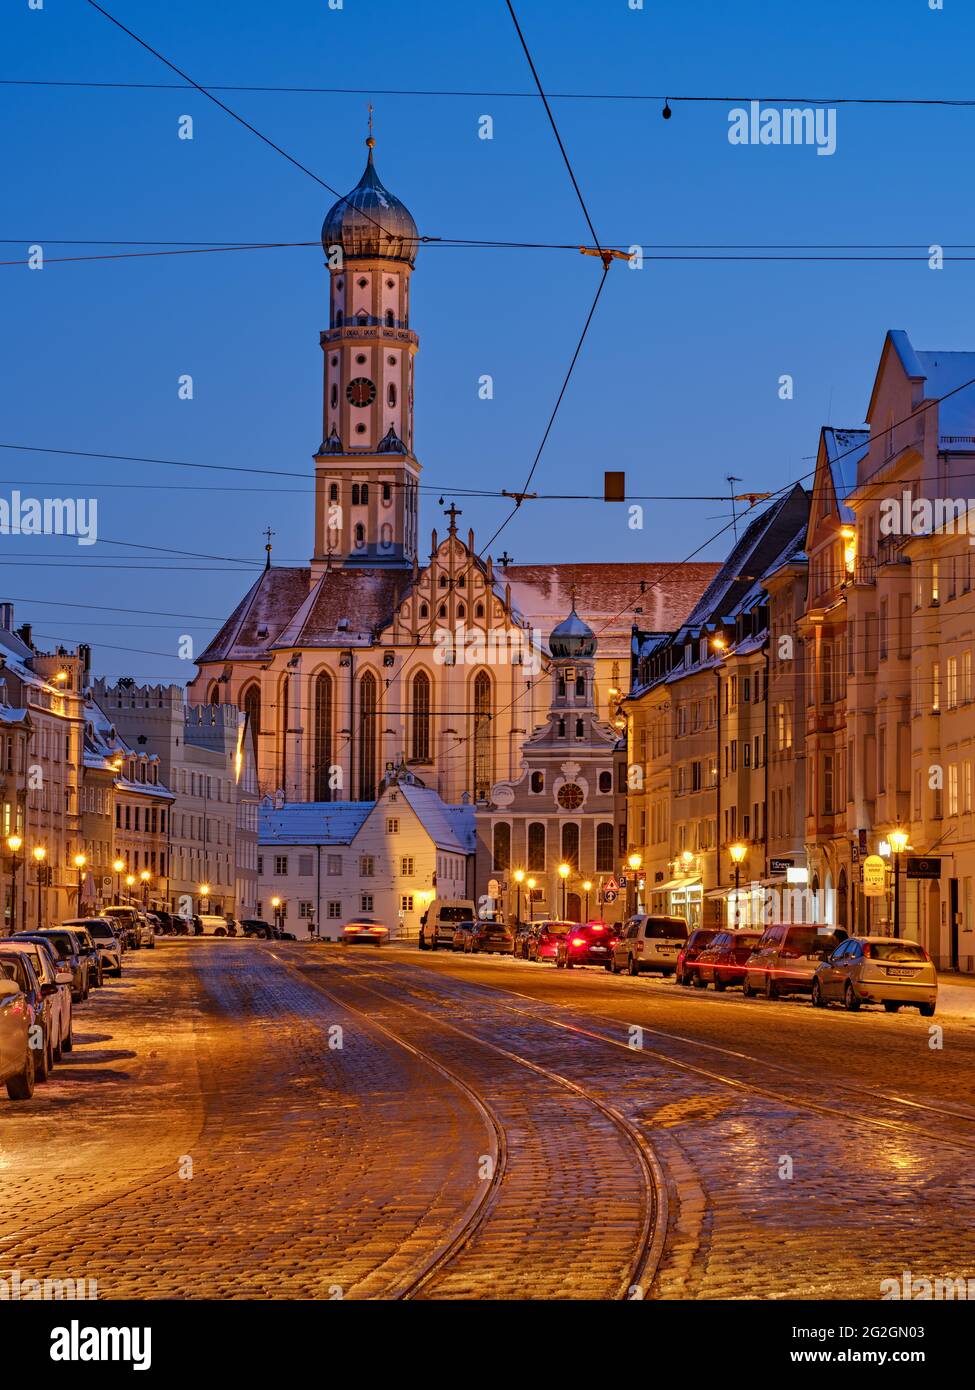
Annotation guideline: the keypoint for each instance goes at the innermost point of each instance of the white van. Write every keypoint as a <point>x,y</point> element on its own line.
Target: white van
<point>211,924</point>
<point>441,920</point>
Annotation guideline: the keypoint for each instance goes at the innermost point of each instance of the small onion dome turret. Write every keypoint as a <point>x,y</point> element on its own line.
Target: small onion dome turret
<point>371,223</point>
<point>572,638</point>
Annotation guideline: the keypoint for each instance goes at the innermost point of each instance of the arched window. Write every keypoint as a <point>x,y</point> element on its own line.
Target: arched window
<point>322,745</point>
<point>604,847</point>
<point>333,492</point>
<point>443,581</point>
<point>483,761</point>
<point>580,685</point>
<point>421,717</point>
<point>461,610</point>
<point>570,843</point>
<point>442,611</point>
<point>251,705</point>
<point>367,737</point>
<point>479,611</point>
<point>283,733</point>
<point>536,845</point>
<point>560,728</point>
<point>580,729</point>
<point>360,535</point>
<point>605,781</point>
<point>339,318</point>
<point>355,494</point>
<point>213,694</point>
<point>386,536</point>
<point>335,395</point>
<point>391,394</point>
<point>390,321</point>
<point>365,493</point>
<point>502,845</point>
<point>537,781</point>
<point>424,611</point>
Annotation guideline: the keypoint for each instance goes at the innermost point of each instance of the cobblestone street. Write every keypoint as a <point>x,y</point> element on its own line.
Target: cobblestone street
<point>242,1120</point>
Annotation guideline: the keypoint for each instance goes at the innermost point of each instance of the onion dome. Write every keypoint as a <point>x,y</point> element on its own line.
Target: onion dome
<point>572,638</point>
<point>370,222</point>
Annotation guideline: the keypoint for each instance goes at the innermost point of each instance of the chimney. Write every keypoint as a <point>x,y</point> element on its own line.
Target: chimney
<point>24,633</point>
<point>7,617</point>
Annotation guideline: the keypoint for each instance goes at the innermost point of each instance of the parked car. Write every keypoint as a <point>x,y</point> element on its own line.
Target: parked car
<point>441,920</point>
<point>490,936</point>
<point>119,929</point>
<point>522,933</point>
<point>649,943</point>
<point>462,933</point>
<point>688,954</point>
<point>16,1019</point>
<point>583,945</point>
<point>214,924</point>
<point>89,950</point>
<point>787,957</point>
<point>253,926</point>
<point>107,943</point>
<point>55,991</point>
<point>145,932</point>
<point>543,943</point>
<point>364,931</point>
<point>42,1009</point>
<point>877,970</point>
<point>64,945</point>
<point>132,921</point>
<point>722,962</point>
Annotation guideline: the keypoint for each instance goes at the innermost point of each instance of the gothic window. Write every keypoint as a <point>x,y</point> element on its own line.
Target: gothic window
<point>479,611</point>
<point>502,845</point>
<point>333,492</point>
<point>390,321</point>
<point>536,845</point>
<point>364,494</point>
<point>283,730</point>
<point>251,705</point>
<point>339,318</point>
<point>424,611</point>
<point>604,847</point>
<point>213,694</point>
<point>461,611</point>
<point>443,581</point>
<point>360,535</point>
<point>355,494</point>
<point>442,611</point>
<point>322,746</point>
<point>421,717</point>
<point>387,492</point>
<point>362,317</point>
<point>483,761</point>
<point>367,737</point>
<point>391,394</point>
<point>386,536</point>
<point>570,844</point>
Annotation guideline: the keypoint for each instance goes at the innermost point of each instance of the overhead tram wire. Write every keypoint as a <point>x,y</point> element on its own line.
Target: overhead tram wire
<point>462,93</point>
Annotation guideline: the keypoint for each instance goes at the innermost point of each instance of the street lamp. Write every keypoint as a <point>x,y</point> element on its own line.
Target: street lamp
<point>564,871</point>
<point>519,877</point>
<point>145,876</point>
<point>130,884</point>
<point>276,904</point>
<point>40,854</point>
<point>14,843</point>
<point>530,885</point>
<point>898,844</point>
<point>80,860</point>
<point>634,861</point>
<point>587,889</point>
<point>737,853</point>
<point>119,867</point>
<point>205,896</point>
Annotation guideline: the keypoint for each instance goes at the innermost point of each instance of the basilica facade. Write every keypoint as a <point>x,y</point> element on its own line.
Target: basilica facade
<point>383,652</point>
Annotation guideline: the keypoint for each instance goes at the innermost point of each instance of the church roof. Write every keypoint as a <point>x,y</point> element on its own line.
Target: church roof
<point>371,222</point>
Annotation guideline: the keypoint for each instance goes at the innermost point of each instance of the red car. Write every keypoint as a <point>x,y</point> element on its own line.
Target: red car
<point>588,945</point>
<point>722,963</point>
<point>700,937</point>
<point>543,941</point>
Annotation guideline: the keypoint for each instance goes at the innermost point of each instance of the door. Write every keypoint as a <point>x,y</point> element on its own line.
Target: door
<point>953,920</point>
<point>574,907</point>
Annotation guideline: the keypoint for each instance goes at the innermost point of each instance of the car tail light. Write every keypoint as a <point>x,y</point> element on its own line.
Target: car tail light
<point>578,941</point>
<point>867,951</point>
<point>599,928</point>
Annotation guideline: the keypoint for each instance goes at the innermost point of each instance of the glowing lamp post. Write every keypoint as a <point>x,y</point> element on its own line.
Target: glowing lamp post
<point>530,885</point>
<point>519,877</point>
<point>634,862</point>
<point>564,872</point>
<point>276,904</point>
<point>14,843</point>
<point>119,867</point>
<point>587,889</point>
<point>204,896</point>
<point>898,844</point>
<point>40,854</point>
<point>145,876</point>
<point>737,853</point>
<point>80,860</point>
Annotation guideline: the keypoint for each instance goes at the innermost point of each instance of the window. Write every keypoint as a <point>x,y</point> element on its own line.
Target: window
<point>392,825</point>
<point>367,738</point>
<point>537,782</point>
<point>367,866</point>
<point>483,760</point>
<point>322,746</point>
<point>334,865</point>
<point>306,909</point>
<point>333,909</point>
<point>570,843</point>
<point>421,717</point>
<point>280,864</point>
<point>502,845</point>
<point>952,789</point>
<point>951,682</point>
<point>936,688</point>
<point>305,865</point>
<point>606,782</point>
<point>604,847</point>
<point>406,866</point>
<point>536,845</point>
<point>365,902</point>
<point>406,902</point>
<point>966,676</point>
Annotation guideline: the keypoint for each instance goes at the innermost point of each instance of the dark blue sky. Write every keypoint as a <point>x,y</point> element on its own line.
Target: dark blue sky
<point>677,383</point>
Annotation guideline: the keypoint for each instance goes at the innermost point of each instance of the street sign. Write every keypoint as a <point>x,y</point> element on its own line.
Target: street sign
<point>920,867</point>
<point>622,880</point>
<point>611,885</point>
<point>780,866</point>
<point>609,895</point>
<point>494,888</point>
<point>874,876</point>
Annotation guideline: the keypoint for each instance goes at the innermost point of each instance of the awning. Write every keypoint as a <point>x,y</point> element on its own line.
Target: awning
<point>745,889</point>
<point>673,883</point>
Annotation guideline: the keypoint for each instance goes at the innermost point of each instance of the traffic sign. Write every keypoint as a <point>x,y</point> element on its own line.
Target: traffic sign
<point>611,885</point>
<point>609,895</point>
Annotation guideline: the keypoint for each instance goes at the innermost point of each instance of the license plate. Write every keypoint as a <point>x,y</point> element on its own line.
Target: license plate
<point>597,949</point>
<point>898,974</point>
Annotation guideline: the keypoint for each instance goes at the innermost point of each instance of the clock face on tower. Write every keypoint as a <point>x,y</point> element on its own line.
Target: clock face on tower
<point>360,391</point>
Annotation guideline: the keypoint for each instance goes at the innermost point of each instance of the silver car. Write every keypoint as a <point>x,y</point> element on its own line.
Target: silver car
<point>787,958</point>
<point>877,970</point>
<point>102,933</point>
<point>649,943</point>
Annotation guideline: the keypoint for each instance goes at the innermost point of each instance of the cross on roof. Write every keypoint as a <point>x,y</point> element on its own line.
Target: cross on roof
<point>453,511</point>
<point>268,533</point>
<point>505,559</point>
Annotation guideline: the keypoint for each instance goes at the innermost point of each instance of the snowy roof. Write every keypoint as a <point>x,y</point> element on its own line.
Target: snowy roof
<point>449,827</point>
<point>9,715</point>
<point>940,372</point>
<point>312,822</point>
<point>844,450</point>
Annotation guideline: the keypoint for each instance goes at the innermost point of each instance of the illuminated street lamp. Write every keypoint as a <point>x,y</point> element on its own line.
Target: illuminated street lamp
<point>530,885</point>
<point>205,896</point>
<point>898,844</point>
<point>145,876</point>
<point>737,853</point>
<point>119,867</point>
<point>276,904</point>
<point>564,871</point>
<point>587,889</point>
<point>40,854</point>
<point>634,861</point>
<point>14,843</point>
<point>80,860</point>
<point>519,877</point>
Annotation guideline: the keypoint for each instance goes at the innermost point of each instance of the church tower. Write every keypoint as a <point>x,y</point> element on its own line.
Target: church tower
<point>366,475</point>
